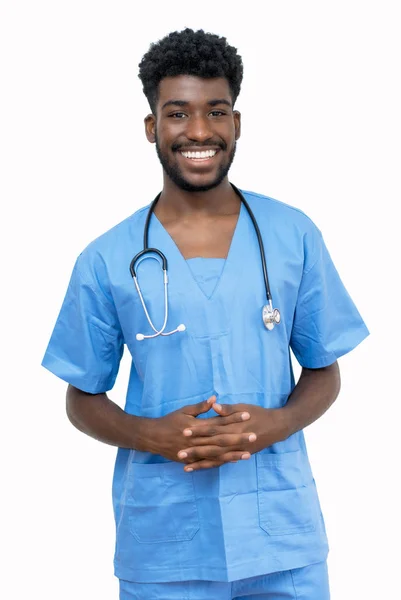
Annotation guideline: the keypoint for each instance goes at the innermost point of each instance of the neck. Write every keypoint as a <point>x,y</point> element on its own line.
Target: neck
<point>176,202</point>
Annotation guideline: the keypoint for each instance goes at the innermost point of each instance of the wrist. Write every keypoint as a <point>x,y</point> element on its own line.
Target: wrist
<point>283,423</point>
<point>139,433</point>
<point>145,435</point>
<point>288,425</point>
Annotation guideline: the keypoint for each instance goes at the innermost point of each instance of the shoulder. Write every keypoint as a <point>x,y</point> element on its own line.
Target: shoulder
<point>113,246</point>
<point>272,209</point>
<point>129,231</point>
<point>286,224</point>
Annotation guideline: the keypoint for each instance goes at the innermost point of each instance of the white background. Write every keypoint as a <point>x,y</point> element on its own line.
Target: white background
<point>321,131</point>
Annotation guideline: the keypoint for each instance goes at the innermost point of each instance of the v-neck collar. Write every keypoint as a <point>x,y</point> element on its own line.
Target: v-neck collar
<point>179,271</point>
<point>206,272</point>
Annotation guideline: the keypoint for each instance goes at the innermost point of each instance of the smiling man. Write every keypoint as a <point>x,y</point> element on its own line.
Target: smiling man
<point>213,493</point>
<point>196,156</point>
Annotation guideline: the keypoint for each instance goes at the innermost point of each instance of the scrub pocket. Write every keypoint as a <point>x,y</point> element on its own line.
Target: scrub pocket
<point>285,498</point>
<point>161,503</point>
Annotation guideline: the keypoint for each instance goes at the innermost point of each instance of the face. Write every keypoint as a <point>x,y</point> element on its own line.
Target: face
<point>195,131</point>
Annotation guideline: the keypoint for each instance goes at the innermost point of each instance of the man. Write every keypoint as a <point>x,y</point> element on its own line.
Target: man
<point>213,493</point>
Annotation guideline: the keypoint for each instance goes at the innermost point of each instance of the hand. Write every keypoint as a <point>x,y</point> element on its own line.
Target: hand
<point>164,435</point>
<point>239,431</point>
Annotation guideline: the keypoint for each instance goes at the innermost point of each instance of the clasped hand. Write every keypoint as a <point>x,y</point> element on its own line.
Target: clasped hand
<point>237,431</point>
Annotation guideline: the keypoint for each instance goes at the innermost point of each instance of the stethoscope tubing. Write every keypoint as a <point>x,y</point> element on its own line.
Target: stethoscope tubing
<point>146,249</point>
<point>270,315</point>
<point>142,253</point>
<point>260,241</point>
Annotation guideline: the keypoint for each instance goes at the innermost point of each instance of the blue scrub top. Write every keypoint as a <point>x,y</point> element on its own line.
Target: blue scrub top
<point>240,520</point>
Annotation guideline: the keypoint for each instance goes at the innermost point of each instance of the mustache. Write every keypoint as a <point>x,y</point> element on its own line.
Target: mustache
<point>220,144</point>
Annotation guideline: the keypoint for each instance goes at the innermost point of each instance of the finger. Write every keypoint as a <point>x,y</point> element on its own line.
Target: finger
<point>203,464</point>
<point>214,422</point>
<point>224,440</point>
<point>210,463</point>
<point>199,408</point>
<point>207,429</point>
<point>225,410</point>
<point>201,452</point>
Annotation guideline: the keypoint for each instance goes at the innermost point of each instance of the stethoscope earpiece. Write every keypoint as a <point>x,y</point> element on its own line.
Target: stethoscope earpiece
<point>138,258</point>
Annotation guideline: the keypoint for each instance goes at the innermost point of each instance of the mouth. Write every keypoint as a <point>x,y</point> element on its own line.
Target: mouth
<point>199,155</point>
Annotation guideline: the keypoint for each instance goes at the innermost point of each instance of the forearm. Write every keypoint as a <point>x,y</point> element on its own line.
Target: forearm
<point>99,417</point>
<point>314,393</point>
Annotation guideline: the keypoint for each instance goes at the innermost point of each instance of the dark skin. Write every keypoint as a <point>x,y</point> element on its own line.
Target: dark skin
<point>194,115</point>
<point>189,115</point>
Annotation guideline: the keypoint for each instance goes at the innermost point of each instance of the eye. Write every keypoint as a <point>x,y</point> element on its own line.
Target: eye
<point>217,113</point>
<point>177,115</point>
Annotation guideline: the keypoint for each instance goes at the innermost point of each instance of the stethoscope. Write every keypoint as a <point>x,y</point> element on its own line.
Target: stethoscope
<point>270,316</point>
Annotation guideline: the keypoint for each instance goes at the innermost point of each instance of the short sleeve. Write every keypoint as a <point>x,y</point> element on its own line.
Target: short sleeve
<point>86,345</point>
<point>327,323</point>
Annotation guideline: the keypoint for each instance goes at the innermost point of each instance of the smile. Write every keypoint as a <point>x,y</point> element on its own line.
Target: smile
<point>204,155</point>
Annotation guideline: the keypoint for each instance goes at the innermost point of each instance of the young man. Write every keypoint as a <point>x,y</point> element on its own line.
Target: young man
<point>213,493</point>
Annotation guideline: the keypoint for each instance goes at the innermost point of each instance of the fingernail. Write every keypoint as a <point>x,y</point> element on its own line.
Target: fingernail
<point>245,416</point>
<point>182,455</point>
<point>245,456</point>
<point>188,469</point>
<point>218,406</point>
<point>187,432</point>
<point>252,437</point>
<point>211,400</point>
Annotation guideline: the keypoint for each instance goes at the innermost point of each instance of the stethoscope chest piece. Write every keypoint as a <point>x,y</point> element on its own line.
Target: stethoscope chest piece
<point>271,316</point>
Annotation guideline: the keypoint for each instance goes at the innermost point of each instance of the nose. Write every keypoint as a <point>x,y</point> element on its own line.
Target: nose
<point>199,129</point>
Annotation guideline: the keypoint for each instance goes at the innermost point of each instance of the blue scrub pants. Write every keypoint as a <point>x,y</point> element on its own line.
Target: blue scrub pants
<point>307,583</point>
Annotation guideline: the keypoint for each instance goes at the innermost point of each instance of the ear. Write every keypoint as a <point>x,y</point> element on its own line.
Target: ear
<point>150,128</point>
<point>237,124</point>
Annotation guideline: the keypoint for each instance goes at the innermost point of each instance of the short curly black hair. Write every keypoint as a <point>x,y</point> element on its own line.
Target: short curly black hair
<point>190,52</point>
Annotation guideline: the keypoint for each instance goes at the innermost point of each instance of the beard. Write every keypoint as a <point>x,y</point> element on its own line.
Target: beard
<point>173,171</point>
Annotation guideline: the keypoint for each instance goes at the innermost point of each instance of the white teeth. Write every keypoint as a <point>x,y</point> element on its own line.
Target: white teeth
<point>205,154</point>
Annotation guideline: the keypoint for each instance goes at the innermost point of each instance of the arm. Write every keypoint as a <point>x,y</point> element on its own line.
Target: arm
<point>314,393</point>
<point>214,442</point>
<point>99,417</point>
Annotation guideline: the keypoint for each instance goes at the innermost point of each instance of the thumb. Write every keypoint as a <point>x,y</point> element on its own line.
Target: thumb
<point>200,407</point>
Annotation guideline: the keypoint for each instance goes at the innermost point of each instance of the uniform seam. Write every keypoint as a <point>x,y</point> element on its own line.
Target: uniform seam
<point>315,262</point>
<point>293,584</point>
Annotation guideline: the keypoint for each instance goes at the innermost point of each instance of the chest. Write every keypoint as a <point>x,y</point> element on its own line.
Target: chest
<point>208,304</point>
<point>209,237</point>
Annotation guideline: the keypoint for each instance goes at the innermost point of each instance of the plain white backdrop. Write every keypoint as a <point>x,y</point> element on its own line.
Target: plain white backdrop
<point>321,130</point>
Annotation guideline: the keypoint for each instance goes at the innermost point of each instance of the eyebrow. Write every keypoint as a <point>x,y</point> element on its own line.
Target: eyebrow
<point>214,102</point>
